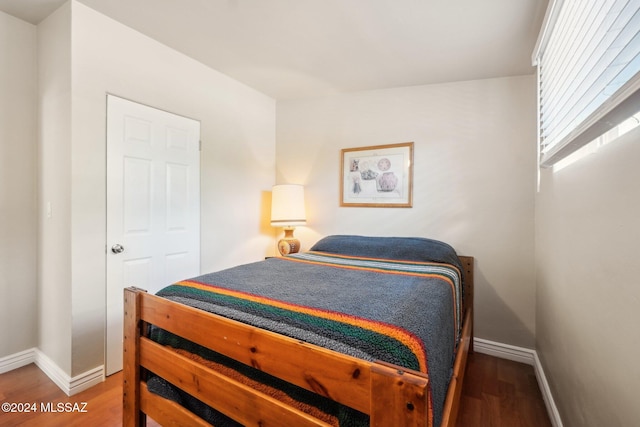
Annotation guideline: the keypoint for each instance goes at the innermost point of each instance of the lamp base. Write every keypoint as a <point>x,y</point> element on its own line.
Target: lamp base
<point>288,244</point>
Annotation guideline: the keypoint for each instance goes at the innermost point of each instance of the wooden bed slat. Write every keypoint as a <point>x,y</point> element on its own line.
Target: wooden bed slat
<point>308,366</point>
<point>234,399</point>
<point>167,412</point>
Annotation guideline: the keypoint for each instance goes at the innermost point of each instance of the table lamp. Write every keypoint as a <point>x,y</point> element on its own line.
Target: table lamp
<point>287,210</point>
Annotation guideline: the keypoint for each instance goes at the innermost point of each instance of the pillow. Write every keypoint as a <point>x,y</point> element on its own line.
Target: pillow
<point>396,248</point>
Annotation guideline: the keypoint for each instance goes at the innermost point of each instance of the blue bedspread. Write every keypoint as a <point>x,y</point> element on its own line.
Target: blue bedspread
<point>305,296</point>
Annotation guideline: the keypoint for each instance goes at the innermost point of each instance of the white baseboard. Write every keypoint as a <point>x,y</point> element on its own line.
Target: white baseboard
<point>66,383</point>
<point>504,351</point>
<point>554,415</point>
<point>70,385</point>
<point>86,380</point>
<point>522,355</point>
<point>17,360</point>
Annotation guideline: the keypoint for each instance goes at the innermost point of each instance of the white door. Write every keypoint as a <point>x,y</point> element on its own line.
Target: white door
<point>153,206</point>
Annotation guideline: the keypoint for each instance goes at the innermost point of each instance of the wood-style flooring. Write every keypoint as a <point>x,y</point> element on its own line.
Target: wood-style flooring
<point>500,393</point>
<point>496,393</point>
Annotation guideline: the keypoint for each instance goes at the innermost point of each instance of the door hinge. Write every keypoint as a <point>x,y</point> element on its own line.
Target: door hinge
<point>200,145</point>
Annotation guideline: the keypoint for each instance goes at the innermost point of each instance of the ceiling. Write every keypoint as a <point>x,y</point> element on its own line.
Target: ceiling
<point>305,48</point>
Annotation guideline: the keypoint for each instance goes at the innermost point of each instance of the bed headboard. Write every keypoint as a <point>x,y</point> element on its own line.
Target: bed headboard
<point>467,277</point>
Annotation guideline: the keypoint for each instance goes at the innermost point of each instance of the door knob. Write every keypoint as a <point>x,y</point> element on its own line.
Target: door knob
<point>117,248</point>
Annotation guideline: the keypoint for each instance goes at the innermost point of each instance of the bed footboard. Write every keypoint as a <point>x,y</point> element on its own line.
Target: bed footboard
<point>390,395</point>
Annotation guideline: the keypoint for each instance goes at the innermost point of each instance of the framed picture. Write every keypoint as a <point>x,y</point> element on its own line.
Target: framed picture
<point>378,176</point>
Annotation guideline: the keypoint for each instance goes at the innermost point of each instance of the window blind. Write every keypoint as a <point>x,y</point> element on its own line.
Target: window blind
<point>588,64</point>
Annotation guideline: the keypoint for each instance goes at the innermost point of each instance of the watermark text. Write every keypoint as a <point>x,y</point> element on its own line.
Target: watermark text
<point>50,407</point>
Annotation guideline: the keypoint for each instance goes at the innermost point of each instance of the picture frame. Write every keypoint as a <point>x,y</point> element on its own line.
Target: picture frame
<point>377,176</point>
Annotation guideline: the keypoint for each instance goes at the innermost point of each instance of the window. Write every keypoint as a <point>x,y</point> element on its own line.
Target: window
<point>604,139</point>
<point>588,62</point>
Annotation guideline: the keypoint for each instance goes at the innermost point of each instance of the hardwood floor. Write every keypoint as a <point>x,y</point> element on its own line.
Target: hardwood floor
<point>497,393</point>
<point>500,393</point>
<point>29,385</point>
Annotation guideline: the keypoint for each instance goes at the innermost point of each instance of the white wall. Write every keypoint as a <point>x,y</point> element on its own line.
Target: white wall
<point>54,145</point>
<point>474,180</point>
<point>588,288</point>
<point>237,163</point>
<point>18,171</point>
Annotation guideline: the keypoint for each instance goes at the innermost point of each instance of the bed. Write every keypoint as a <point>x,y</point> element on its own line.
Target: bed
<point>356,331</point>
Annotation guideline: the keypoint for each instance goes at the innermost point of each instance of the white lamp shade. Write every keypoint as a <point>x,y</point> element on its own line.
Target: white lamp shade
<point>287,205</point>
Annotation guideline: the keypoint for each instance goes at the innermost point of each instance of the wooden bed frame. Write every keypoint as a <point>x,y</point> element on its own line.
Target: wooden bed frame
<point>391,395</point>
